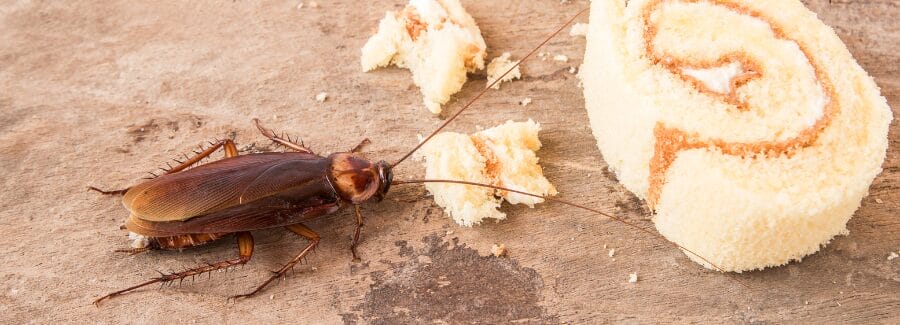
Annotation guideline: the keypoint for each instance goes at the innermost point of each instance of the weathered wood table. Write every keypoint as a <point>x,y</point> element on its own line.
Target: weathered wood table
<point>99,93</point>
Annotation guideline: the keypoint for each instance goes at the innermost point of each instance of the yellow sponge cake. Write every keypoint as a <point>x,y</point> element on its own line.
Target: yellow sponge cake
<point>747,126</point>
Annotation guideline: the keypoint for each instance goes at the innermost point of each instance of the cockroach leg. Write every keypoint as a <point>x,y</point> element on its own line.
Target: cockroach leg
<point>133,251</point>
<point>227,144</point>
<point>268,133</point>
<point>298,229</point>
<point>199,155</point>
<point>245,251</point>
<point>361,145</point>
<point>360,222</point>
<point>112,192</point>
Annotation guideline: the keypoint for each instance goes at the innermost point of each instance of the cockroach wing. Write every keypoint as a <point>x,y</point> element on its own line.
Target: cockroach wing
<point>222,184</point>
<point>269,212</point>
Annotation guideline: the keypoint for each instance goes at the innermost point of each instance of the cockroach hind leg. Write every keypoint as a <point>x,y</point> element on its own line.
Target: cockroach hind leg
<point>245,252</point>
<point>133,251</point>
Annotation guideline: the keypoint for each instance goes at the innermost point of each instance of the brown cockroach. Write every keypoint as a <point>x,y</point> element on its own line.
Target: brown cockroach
<point>193,205</point>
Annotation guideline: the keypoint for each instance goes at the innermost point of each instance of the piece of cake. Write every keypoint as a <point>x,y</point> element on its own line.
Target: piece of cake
<point>502,156</point>
<point>499,66</point>
<point>499,250</point>
<point>578,29</point>
<point>746,125</point>
<point>437,40</point>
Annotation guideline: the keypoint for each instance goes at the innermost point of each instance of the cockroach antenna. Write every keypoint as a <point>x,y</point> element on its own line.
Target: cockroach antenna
<point>474,99</point>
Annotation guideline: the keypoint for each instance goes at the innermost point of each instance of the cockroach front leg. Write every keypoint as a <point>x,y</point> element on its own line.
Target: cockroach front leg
<point>268,133</point>
<point>301,230</point>
<point>362,144</point>
<point>245,252</point>
<point>360,222</point>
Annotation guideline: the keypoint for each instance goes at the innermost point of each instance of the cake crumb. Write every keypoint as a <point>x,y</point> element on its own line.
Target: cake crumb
<point>879,201</point>
<point>300,5</point>
<point>500,65</point>
<point>313,4</point>
<point>573,70</point>
<point>505,152</point>
<point>438,41</point>
<point>632,278</point>
<point>272,296</point>
<point>525,101</point>
<point>612,252</point>
<point>892,256</point>
<point>499,250</point>
<point>579,29</point>
<point>321,97</point>
<point>449,232</point>
<point>561,58</point>
<point>138,241</point>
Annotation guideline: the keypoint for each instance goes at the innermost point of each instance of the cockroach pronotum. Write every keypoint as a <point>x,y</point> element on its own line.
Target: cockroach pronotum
<point>193,205</point>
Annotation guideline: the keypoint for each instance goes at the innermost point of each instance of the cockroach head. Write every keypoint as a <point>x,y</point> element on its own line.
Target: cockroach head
<point>357,179</point>
<point>385,176</point>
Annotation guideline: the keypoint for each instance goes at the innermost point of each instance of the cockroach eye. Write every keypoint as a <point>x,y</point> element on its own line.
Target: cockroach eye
<point>386,176</point>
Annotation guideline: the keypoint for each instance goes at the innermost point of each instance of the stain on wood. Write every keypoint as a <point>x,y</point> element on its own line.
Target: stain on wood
<point>445,280</point>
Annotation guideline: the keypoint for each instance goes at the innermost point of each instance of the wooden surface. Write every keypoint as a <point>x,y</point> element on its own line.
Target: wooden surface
<point>100,93</point>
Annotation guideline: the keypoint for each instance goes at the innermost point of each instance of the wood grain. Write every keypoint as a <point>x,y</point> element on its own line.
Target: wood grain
<point>100,93</point>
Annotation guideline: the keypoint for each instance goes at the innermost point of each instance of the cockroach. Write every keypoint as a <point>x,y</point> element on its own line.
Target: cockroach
<point>193,204</point>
